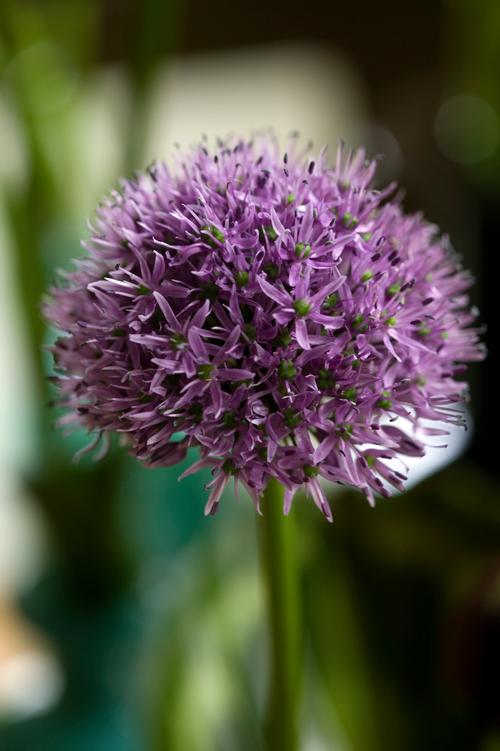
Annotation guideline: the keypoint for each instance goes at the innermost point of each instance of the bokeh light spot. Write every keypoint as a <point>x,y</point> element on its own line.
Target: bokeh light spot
<point>467,129</point>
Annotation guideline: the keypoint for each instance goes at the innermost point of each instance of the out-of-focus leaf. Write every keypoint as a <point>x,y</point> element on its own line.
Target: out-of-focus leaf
<point>340,655</point>
<point>201,685</point>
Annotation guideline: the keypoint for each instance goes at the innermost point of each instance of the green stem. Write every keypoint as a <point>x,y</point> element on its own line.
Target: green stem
<point>279,564</point>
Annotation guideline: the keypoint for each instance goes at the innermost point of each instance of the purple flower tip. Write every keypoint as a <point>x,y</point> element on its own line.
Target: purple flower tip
<point>275,315</point>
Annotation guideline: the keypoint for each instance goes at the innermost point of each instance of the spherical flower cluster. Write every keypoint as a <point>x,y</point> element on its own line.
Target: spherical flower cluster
<point>276,312</point>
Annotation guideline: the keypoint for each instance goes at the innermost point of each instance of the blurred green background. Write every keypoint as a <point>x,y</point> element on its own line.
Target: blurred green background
<point>128,621</point>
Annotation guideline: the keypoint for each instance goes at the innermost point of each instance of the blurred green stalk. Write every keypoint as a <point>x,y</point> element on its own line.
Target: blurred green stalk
<point>279,567</point>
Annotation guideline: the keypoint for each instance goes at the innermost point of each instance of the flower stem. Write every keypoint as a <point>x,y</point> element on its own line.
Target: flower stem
<point>279,559</point>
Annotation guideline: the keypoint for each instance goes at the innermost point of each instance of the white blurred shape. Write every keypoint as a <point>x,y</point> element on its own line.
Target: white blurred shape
<point>30,683</point>
<point>314,743</point>
<point>23,545</point>
<point>17,392</point>
<point>467,129</point>
<point>287,87</point>
<point>22,539</point>
<point>30,676</point>
<point>440,450</point>
<point>436,458</point>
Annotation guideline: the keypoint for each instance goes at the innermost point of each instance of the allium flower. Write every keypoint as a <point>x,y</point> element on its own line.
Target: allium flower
<point>276,312</point>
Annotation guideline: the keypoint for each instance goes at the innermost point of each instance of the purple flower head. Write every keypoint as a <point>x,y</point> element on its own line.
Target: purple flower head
<point>276,312</point>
